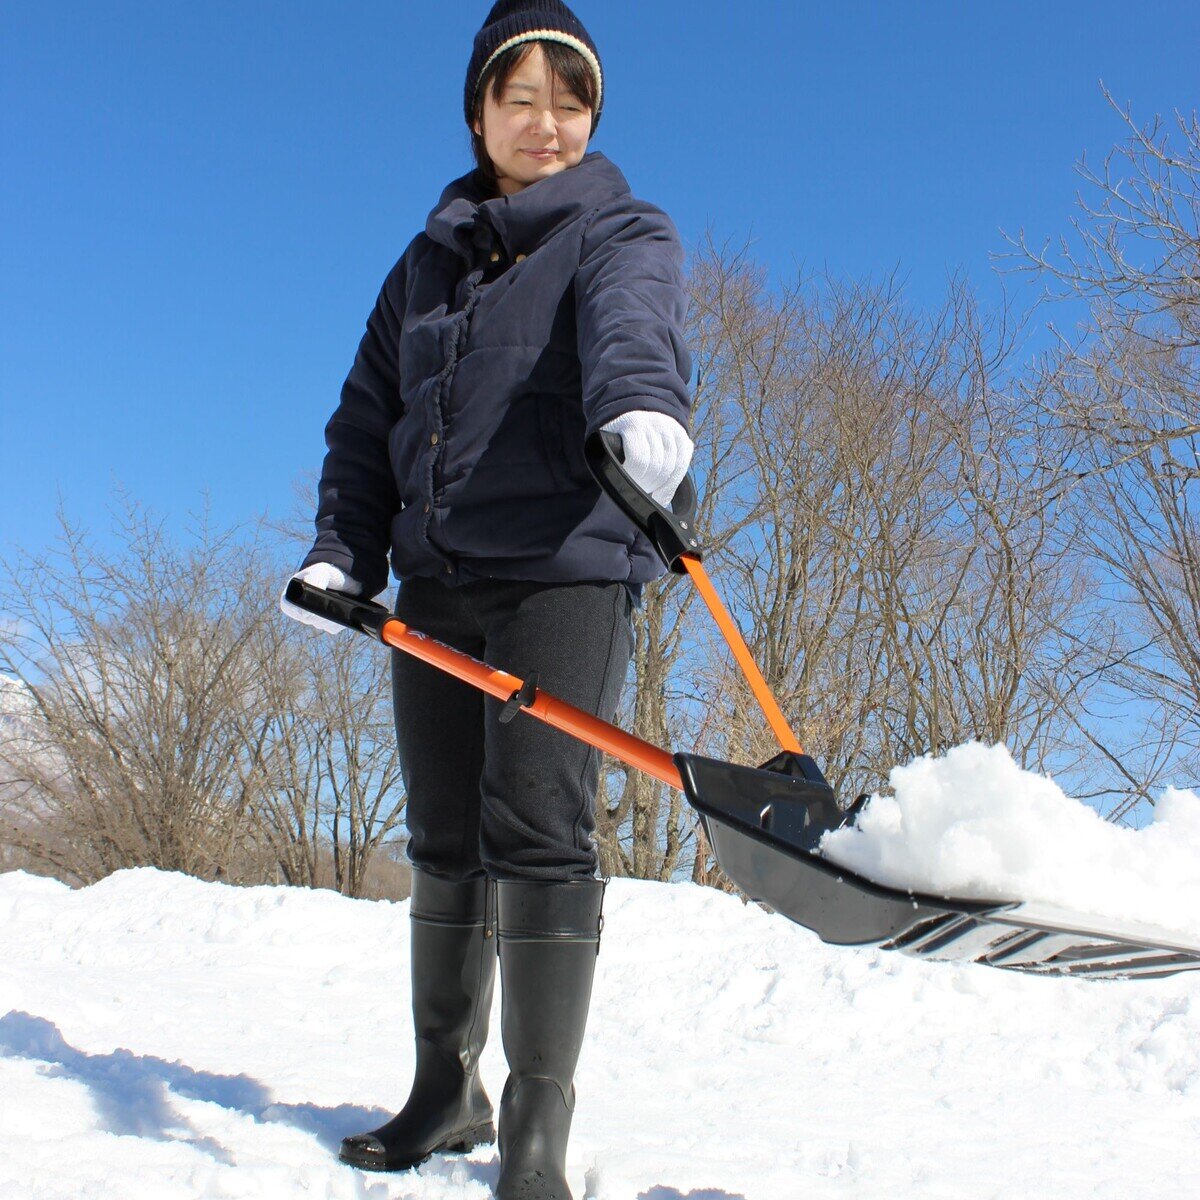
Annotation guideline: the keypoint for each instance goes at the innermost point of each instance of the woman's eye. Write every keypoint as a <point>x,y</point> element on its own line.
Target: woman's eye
<point>569,107</point>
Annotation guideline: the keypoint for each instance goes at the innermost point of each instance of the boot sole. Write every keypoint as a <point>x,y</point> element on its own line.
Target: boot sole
<point>459,1143</point>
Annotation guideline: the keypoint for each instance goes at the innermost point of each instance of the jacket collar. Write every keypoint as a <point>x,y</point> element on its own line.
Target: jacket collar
<point>465,221</point>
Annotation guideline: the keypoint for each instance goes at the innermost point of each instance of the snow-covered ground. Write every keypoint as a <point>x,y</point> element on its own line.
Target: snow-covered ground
<point>162,1037</point>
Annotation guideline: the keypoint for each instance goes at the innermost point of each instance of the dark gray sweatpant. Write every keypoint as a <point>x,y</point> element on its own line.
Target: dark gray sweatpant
<point>515,800</point>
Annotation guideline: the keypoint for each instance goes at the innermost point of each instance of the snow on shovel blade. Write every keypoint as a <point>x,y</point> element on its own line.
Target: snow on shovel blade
<point>765,824</point>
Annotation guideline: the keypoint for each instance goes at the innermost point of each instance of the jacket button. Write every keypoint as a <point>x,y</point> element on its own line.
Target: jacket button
<point>495,256</point>
<point>433,440</point>
<point>519,258</point>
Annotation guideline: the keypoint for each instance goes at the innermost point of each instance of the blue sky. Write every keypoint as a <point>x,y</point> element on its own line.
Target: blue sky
<point>198,202</point>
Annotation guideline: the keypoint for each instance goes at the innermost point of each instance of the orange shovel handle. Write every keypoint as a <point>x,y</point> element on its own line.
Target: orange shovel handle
<point>575,721</point>
<point>762,693</point>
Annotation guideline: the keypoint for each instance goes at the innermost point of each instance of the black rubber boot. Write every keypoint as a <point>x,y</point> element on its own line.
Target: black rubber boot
<point>549,938</point>
<point>453,976</point>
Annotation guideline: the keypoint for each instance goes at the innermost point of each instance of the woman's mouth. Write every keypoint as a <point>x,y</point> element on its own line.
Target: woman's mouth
<point>542,154</point>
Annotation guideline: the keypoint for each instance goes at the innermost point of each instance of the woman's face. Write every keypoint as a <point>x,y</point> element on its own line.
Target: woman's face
<point>530,117</point>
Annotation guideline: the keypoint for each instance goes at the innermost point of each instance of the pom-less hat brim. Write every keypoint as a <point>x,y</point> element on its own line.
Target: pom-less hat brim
<point>550,35</point>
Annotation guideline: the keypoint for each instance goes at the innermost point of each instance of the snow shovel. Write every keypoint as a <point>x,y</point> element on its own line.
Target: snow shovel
<point>765,823</point>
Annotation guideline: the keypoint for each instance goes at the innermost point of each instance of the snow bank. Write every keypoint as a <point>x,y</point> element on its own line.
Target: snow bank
<point>166,1039</point>
<point>973,824</point>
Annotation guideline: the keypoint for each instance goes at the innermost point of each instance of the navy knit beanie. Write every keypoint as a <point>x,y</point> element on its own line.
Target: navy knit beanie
<point>513,21</point>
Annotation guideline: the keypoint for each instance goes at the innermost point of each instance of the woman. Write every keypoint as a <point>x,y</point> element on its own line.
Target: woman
<point>542,302</point>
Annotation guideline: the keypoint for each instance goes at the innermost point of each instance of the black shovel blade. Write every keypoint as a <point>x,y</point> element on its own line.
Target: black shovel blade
<point>764,826</point>
<point>765,823</point>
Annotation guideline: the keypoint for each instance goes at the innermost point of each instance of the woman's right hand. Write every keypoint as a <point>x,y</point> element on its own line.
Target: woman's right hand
<point>328,578</point>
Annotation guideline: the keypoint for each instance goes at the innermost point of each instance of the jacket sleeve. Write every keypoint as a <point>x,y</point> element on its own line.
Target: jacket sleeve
<point>630,307</point>
<point>357,495</point>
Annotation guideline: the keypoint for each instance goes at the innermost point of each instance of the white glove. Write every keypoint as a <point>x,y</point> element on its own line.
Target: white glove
<point>657,451</point>
<point>328,578</point>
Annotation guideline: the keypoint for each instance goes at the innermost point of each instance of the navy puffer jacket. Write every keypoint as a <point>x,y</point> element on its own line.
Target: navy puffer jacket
<point>510,329</point>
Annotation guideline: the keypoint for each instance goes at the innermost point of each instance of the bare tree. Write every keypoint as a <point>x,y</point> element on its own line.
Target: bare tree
<point>900,585</point>
<point>144,743</point>
<point>1125,393</point>
<point>172,716</point>
<point>1135,253</point>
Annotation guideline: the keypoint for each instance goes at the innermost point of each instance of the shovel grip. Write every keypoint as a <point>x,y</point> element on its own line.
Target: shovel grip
<point>672,531</point>
<point>351,611</point>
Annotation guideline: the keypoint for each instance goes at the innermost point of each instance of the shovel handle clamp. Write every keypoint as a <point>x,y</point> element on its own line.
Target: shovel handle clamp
<point>523,697</point>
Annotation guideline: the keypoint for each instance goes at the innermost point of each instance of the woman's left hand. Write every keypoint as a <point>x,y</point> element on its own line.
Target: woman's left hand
<point>657,451</point>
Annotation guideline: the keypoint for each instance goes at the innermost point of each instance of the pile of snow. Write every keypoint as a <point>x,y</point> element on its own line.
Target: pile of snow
<point>167,1039</point>
<point>973,824</point>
